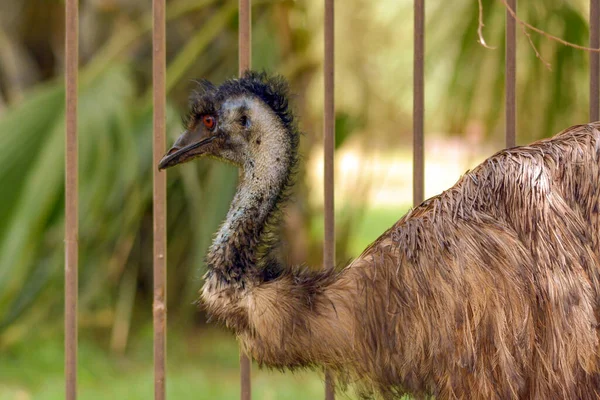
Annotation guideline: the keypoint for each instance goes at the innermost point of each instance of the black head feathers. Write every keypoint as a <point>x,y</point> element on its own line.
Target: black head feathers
<point>272,90</point>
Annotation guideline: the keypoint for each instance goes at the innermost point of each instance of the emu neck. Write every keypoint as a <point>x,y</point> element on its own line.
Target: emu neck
<point>242,240</point>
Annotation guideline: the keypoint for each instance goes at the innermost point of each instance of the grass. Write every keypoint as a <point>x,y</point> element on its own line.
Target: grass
<point>201,366</point>
<point>373,223</point>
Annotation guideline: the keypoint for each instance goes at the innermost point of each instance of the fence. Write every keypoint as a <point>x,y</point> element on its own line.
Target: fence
<point>159,178</point>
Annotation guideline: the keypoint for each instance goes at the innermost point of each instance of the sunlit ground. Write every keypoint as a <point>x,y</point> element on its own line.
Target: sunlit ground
<point>380,184</point>
<point>205,366</point>
<point>384,179</point>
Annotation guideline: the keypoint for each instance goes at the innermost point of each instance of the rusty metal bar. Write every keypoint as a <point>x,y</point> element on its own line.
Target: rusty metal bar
<point>159,194</point>
<point>71,196</point>
<point>419,103</point>
<point>245,376</point>
<point>594,60</point>
<point>245,36</point>
<point>510,73</point>
<point>245,62</point>
<point>329,147</point>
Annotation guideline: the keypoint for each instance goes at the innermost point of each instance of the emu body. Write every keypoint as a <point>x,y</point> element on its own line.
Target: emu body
<point>488,290</point>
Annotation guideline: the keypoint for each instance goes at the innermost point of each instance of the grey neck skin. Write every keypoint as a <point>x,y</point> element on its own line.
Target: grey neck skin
<point>234,254</point>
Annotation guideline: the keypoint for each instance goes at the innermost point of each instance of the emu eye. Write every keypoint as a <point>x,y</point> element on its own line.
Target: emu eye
<point>244,121</point>
<point>208,121</point>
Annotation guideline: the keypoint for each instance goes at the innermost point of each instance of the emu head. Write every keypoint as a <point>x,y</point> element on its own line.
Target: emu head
<point>243,121</point>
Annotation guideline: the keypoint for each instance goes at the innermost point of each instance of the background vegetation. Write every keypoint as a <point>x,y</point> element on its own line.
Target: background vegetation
<point>464,122</point>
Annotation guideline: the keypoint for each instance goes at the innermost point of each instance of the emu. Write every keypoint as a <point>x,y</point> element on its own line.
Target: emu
<point>489,290</point>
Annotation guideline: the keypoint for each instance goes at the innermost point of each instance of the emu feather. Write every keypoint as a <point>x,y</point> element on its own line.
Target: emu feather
<point>488,290</point>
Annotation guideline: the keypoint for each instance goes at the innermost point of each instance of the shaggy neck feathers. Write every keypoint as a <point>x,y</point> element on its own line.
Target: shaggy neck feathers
<point>245,239</point>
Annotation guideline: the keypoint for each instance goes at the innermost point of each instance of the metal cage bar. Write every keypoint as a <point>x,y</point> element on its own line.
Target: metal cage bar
<point>245,62</point>
<point>594,60</point>
<point>159,196</point>
<point>329,150</point>
<point>419,103</point>
<point>510,72</point>
<point>245,36</point>
<point>71,196</point>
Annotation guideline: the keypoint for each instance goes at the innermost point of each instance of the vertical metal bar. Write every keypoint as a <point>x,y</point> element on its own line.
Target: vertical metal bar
<point>329,147</point>
<point>419,103</point>
<point>511,76</point>
<point>159,307</point>
<point>245,62</point>
<point>245,36</point>
<point>594,60</point>
<point>329,386</point>
<point>245,376</point>
<point>71,197</point>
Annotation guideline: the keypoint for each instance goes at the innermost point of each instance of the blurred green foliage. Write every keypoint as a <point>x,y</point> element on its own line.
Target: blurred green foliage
<point>548,99</point>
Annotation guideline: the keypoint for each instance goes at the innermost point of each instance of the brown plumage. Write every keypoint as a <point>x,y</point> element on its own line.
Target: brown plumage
<point>488,290</point>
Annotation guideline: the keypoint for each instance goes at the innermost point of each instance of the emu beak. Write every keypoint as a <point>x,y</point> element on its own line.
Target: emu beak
<point>184,150</point>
